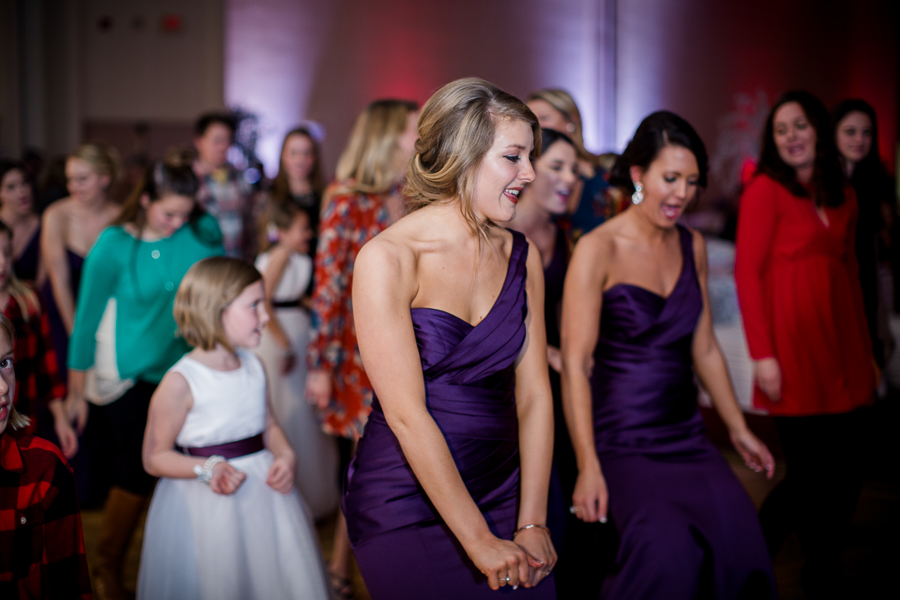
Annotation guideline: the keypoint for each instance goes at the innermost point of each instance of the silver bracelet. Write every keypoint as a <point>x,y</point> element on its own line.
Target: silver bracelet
<point>205,472</point>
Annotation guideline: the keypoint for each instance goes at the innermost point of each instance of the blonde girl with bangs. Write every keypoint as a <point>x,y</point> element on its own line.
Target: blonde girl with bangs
<point>363,202</point>
<point>451,475</point>
<point>225,520</point>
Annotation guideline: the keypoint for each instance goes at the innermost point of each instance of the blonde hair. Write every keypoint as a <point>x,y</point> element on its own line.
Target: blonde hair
<point>103,159</point>
<point>563,102</point>
<point>28,302</point>
<point>16,420</point>
<point>456,129</point>
<point>367,164</point>
<point>207,289</point>
<point>278,214</point>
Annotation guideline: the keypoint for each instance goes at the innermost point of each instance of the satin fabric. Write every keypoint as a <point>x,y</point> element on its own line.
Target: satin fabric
<point>402,546</point>
<point>687,528</point>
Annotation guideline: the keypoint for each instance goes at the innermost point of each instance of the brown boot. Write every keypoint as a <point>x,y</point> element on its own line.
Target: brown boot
<point>120,517</point>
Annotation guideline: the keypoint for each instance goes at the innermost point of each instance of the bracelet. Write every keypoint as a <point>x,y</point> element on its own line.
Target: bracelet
<point>530,526</point>
<point>205,472</point>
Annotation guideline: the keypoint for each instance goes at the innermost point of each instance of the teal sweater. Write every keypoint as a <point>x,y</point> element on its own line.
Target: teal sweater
<point>142,277</point>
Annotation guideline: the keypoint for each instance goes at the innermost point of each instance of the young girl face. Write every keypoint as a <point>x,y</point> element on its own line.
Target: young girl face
<point>795,136</point>
<point>167,215</point>
<point>245,317</point>
<point>84,183</point>
<point>298,235</point>
<point>670,182</point>
<point>555,174</point>
<point>854,136</point>
<point>7,379</point>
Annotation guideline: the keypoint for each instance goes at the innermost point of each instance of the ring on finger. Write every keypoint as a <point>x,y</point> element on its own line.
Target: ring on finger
<point>504,580</point>
<point>574,509</point>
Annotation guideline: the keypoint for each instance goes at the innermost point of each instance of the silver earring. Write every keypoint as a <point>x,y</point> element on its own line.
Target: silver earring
<point>638,196</point>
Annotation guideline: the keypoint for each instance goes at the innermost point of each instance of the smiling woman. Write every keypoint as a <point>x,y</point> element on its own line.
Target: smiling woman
<point>448,310</point>
<point>636,327</point>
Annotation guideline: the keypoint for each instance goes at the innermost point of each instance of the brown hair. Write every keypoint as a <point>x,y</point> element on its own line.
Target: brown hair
<point>280,187</point>
<point>24,296</point>
<point>207,289</point>
<point>456,129</point>
<point>103,159</point>
<point>16,420</point>
<point>367,163</point>
<point>280,214</point>
<point>563,102</point>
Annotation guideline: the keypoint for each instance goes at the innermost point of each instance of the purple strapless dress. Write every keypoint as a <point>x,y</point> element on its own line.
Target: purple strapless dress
<point>403,548</point>
<point>687,528</point>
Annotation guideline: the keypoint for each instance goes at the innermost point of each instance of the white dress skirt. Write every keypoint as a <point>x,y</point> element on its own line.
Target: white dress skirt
<point>316,475</point>
<point>256,543</point>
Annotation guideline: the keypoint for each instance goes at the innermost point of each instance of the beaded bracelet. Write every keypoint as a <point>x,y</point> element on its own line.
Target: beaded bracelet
<point>530,526</point>
<point>205,472</point>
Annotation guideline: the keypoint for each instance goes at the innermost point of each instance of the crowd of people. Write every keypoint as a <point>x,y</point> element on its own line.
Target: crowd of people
<point>478,344</point>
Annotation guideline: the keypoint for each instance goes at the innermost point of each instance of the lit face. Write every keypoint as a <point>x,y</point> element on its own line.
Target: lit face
<point>556,172</point>
<point>503,172</point>
<point>549,117</point>
<point>7,380</point>
<point>15,192</point>
<point>795,137</point>
<point>6,260</point>
<point>212,146</point>
<point>299,157</point>
<point>670,183</point>
<point>406,143</point>
<point>245,317</point>
<point>167,215</point>
<point>84,183</point>
<point>854,136</point>
<point>298,235</point>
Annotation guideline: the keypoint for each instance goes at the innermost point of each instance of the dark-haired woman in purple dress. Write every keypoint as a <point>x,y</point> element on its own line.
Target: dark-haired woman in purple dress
<point>447,495</point>
<point>636,326</point>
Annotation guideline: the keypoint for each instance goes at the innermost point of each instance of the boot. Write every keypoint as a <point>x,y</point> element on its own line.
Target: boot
<point>120,517</point>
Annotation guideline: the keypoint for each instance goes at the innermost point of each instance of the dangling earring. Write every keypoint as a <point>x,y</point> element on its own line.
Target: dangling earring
<point>638,196</point>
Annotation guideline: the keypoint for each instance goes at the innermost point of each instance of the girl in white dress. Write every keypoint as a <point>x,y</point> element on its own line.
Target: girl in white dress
<point>225,521</point>
<point>287,271</point>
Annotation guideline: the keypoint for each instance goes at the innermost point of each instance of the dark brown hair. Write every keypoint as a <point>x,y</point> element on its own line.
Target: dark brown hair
<point>280,187</point>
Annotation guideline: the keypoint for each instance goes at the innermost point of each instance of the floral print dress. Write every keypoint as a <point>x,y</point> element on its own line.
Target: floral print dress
<point>349,220</point>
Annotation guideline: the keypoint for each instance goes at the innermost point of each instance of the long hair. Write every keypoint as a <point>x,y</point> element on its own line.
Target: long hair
<point>563,102</point>
<point>16,420</point>
<point>367,163</point>
<point>656,131</point>
<point>7,165</point>
<point>826,186</point>
<point>28,302</point>
<point>280,187</point>
<point>456,129</point>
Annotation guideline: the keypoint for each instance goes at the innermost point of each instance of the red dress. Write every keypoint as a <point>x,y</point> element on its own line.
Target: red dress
<point>799,293</point>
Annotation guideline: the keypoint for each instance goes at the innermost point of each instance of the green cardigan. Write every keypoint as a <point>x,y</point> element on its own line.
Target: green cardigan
<point>143,278</point>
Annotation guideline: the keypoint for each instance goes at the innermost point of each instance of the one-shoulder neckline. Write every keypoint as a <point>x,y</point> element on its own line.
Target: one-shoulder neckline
<point>503,288</point>
<point>682,234</point>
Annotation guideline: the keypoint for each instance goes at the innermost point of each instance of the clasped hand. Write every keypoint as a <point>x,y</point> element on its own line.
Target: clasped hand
<point>523,562</point>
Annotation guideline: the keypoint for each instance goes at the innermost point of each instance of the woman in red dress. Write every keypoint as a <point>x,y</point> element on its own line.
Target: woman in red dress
<point>799,292</point>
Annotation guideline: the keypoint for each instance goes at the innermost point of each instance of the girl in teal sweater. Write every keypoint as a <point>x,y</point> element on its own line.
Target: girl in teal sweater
<point>138,263</point>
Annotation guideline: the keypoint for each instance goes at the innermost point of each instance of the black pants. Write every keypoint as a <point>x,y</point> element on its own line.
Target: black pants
<point>127,419</point>
<point>818,496</point>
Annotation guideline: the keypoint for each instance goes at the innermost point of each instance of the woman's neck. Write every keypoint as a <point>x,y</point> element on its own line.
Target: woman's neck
<point>299,186</point>
<point>93,204</point>
<point>13,217</point>
<point>849,166</point>
<point>645,228</point>
<point>530,216</point>
<point>804,174</point>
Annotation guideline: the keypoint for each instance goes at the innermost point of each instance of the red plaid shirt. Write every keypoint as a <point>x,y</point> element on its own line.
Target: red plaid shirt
<point>37,371</point>
<point>41,542</point>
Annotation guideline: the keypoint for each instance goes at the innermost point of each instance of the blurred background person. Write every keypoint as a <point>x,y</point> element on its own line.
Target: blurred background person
<point>17,211</point>
<point>223,191</point>
<point>802,307</point>
<point>125,333</point>
<point>363,202</point>
<point>856,137</point>
<point>287,270</point>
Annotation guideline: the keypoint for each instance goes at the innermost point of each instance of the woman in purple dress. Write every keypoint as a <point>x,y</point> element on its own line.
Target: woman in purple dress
<point>447,495</point>
<point>636,327</point>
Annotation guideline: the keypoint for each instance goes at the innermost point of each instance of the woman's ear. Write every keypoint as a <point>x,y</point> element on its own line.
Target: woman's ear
<point>636,173</point>
<point>145,201</point>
